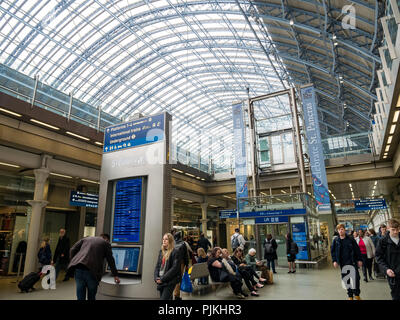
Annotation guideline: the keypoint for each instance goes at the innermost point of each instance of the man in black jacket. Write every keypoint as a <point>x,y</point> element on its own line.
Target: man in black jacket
<point>346,254</point>
<point>388,257</point>
<point>203,242</point>
<point>61,255</point>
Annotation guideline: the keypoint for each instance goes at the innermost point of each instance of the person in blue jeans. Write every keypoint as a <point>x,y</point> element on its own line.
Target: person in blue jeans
<point>87,263</point>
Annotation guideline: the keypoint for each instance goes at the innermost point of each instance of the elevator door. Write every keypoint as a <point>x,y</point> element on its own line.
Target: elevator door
<point>278,232</point>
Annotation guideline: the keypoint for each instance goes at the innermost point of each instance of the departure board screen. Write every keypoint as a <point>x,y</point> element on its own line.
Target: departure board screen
<point>127,210</point>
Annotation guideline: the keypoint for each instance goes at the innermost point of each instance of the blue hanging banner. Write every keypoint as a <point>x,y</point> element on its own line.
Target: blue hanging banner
<point>315,150</point>
<point>240,153</point>
<point>272,213</point>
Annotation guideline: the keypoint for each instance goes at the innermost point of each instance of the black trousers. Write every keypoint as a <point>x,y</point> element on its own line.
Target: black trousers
<point>356,291</point>
<point>166,291</point>
<point>394,284</point>
<point>248,278</point>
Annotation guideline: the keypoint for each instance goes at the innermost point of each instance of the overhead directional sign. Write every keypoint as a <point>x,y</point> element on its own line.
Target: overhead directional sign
<point>370,204</point>
<point>268,220</point>
<point>134,133</point>
<point>228,214</point>
<point>83,199</point>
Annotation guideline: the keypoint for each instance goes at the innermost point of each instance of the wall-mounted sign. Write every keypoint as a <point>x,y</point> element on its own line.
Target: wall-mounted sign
<point>300,237</point>
<point>272,213</point>
<point>134,133</point>
<point>268,220</point>
<point>83,199</point>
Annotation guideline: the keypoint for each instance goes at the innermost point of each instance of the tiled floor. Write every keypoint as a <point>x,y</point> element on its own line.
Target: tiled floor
<point>305,284</point>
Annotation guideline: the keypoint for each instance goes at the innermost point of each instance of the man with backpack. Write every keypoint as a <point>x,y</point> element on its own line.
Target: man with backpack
<point>291,251</point>
<point>237,240</point>
<point>270,247</point>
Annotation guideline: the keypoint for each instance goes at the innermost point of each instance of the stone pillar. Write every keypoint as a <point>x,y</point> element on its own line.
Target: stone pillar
<point>37,204</point>
<point>204,218</point>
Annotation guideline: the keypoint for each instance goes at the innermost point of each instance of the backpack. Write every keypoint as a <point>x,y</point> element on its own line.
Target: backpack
<point>235,242</point>
<point>268,247</point>
<point>293,248</point>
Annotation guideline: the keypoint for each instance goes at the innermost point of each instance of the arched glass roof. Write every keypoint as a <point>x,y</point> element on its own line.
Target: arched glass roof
<point>195,59</point>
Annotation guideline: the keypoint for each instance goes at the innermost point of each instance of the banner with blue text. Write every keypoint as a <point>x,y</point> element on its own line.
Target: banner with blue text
<point>240,152</point>
<point>315,150</point>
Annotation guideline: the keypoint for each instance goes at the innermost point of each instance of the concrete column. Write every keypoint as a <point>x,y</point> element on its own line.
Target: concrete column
<point>204,218</point>
<point>37,204</point>
<point>82,219</point>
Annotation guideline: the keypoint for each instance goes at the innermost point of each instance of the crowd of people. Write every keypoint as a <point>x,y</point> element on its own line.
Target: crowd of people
<point>376,254</point>
<point>236,267</point>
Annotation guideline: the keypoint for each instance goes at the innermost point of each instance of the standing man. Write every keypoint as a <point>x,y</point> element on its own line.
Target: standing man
<point>388,257</point>
<point>61,255</point>
<point>203,242</point>
<point>237,240</point>
<point>346,253</point>
<point>270,247</point>
<point>87,263</point>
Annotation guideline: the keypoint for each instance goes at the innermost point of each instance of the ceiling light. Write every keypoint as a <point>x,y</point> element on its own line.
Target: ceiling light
<point>334,36</point>
<point>390,139</point>
<point>396,116</point>
<point>77,136</point>
<point>91,181</point>
<point>283,191</point>
<point>98,143</point>
<point>202,179</point>
<point>190,175</point>
<point>10,112</point>
<point>44,124</point>
<point>177,170</point>
<point>9,165</point>
<point>187,201</point>
<point>291,22</point>
<point>392,129</point>
<point>376,182</point>
<point>384,157</point>
<point>60,175</point>
<point>350,185</point>
<point>198,178</point>
<point>335,43</point>
<point>387,148</point>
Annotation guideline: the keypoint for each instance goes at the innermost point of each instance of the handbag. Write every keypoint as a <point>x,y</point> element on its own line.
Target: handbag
<point>186,284</point>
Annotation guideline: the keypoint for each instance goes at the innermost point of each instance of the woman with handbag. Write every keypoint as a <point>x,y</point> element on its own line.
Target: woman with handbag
<point>167,272</point>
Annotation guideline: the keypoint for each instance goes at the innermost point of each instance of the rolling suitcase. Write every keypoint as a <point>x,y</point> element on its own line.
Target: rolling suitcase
<point>29,281</point>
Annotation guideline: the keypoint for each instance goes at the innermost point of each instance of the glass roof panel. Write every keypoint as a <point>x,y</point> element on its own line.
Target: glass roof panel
<point>191,58</point>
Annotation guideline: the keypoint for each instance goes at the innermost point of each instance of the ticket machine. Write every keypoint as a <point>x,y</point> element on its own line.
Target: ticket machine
<point>135,203</point>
